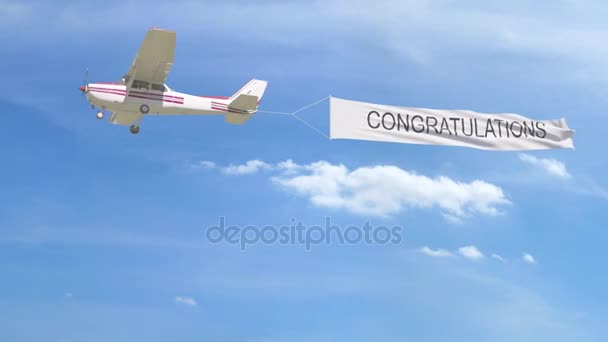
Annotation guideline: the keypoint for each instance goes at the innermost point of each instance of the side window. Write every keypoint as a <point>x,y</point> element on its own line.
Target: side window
<point>137,84</point>
<point>158,87</point>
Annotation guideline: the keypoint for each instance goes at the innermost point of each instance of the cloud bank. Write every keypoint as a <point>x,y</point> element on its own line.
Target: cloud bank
<point>380,190</point>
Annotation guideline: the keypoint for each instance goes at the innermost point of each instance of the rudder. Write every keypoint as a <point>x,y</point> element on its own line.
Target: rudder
<point>252,88</point>
<point>244,103</point>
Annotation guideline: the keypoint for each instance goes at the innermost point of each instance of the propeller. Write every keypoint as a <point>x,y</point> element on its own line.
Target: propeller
<point>85,87</point>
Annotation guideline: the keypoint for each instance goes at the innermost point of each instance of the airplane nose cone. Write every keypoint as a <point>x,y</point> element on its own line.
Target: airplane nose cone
<point>82,88</point>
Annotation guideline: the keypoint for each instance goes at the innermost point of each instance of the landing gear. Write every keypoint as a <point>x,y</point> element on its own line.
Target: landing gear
<point>134,129</point>
<point>99,115</point>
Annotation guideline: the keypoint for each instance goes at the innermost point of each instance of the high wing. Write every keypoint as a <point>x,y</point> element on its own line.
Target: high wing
<point>154,59</point>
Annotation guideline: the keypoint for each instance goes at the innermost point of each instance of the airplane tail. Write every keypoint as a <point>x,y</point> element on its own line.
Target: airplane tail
<point>245,101</point>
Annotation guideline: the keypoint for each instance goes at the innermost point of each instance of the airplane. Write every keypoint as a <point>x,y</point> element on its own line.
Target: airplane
<point>143,91</point>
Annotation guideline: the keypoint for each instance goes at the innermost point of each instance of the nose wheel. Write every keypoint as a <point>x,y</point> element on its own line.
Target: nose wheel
<point>99,115</point>
<point>134,129</point>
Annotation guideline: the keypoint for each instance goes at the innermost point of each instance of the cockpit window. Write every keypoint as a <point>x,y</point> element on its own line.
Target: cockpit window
<point>158,87</point>
<point>137,84</point>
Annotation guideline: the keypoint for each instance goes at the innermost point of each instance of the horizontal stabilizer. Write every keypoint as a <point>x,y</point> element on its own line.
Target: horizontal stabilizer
<point>236,118</point>
<point>244,103</point>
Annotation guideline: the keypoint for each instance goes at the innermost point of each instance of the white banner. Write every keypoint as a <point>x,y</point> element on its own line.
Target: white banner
<point>367,121</point>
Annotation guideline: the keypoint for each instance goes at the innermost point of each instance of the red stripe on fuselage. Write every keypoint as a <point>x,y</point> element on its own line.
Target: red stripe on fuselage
<point>227,110</point>
<point>147,96</point>
<point>108,91</point>
<point>156,99</point>
<point>154,94</point>
<point>137,92</point>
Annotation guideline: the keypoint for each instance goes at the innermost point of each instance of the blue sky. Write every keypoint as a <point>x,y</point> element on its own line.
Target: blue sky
<point>102,234</point>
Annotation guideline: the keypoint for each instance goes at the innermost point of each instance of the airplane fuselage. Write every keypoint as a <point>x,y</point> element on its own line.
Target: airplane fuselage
<point>115,97</point>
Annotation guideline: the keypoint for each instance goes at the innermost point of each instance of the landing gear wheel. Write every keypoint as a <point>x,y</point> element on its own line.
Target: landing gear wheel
<point>134,129</point>
<point>144,109</point>
<point>99,115</point>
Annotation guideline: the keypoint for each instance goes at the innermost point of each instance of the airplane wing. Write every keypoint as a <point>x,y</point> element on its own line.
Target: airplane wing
<point>154,59</point>
<point>125,118</point>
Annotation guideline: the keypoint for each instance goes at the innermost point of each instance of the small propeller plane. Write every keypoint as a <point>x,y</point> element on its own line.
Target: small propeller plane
<point>143,91</point>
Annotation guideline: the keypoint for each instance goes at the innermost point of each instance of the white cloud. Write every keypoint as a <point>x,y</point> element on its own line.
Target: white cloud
<point>205,164</point>
<point>288,166</point>
<point>388,190</point>
<point>471,252</point>
<point>452,218</point>
<point>377,190</point>
<point>551,166</point>
<point>250,167</point>
<point>68,295</point>
<point>528,258</point>
<point>437,253</point>
<point>498,257</point>
<point>186,301</point>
